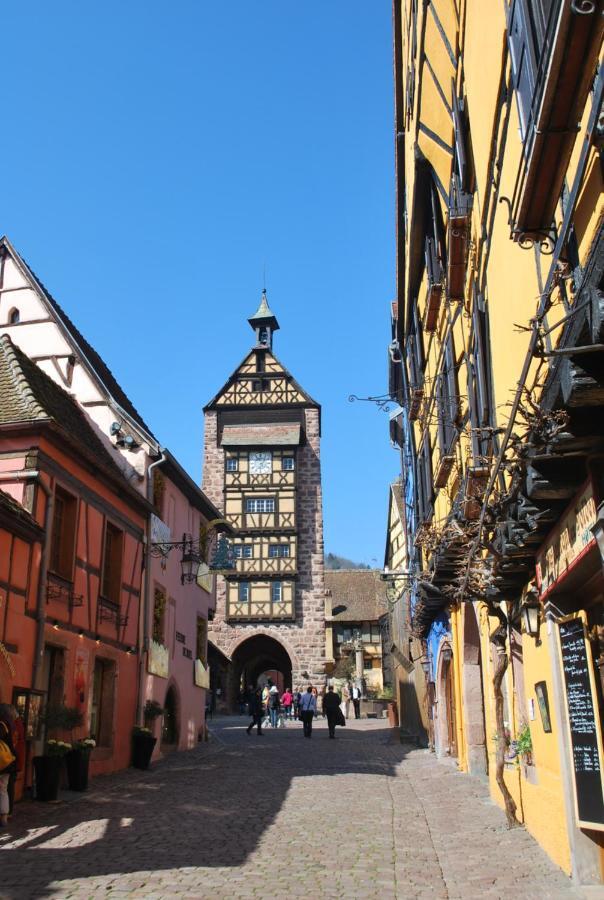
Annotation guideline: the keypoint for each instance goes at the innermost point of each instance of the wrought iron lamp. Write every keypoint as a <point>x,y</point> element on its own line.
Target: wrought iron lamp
<point>217,553</point>
<point>530,614</point>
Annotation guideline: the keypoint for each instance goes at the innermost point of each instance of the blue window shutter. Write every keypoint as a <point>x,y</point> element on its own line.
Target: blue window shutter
<point>524,63</point>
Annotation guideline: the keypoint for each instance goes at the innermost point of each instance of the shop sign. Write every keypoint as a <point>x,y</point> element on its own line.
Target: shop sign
<point>158,660</point>
<point>568,542</point>
<point>202,674</point>
<point>160,534</point>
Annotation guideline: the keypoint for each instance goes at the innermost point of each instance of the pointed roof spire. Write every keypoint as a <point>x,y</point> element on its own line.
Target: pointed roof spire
<point>264,316</point>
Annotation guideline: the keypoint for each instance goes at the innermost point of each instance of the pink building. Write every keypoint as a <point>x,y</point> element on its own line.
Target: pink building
<point>171,627</point>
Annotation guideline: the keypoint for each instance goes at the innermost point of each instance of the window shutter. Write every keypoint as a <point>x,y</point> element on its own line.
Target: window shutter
<point>481,357</point>
<point>459,127</point>
<point>524,64</point>
<point>452,387</point>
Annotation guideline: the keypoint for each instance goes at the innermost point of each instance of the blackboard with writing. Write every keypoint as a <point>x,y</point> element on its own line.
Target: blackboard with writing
<point>584,723</point>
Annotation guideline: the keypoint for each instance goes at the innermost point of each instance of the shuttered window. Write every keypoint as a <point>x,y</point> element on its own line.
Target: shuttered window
<point>531,25</point>
<point>425,481</point>
<point>447,399</point>
<point>479,380</point>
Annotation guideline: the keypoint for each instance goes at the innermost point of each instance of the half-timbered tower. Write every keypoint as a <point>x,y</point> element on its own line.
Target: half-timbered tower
<point>262,467</point>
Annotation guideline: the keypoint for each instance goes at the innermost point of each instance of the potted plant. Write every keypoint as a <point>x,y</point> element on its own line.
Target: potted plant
<point>77,762</point>
<point>524,745</point>
<point>56,718</point>
<point>47,768</point>
<point>143,741</point>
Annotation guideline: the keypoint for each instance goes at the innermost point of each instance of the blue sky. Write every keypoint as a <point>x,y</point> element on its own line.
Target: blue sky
<point>157,156</point>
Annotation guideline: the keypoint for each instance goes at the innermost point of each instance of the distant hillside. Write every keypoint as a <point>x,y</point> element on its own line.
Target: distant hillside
<point>333,561</point>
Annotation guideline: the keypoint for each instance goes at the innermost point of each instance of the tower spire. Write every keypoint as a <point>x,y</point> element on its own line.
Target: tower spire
<point>264,322</point>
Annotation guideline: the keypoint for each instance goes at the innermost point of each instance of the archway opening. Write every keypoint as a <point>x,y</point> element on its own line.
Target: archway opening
<point>255,660</point>
<point>169,732</point>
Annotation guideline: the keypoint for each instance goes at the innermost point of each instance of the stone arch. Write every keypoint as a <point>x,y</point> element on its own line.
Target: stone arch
<point>260,651</point>
<point>267,632</point>
<point>446,725</point>
<point>473,695</point>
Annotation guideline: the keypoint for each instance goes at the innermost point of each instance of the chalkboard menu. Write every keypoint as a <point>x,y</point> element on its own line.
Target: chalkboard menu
<point>584,723</point>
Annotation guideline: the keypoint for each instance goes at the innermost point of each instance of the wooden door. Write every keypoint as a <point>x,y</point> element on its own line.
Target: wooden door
<point>450,703</point>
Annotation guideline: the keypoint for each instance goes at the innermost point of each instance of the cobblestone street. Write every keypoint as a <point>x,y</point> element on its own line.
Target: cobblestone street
<point>279,816</point>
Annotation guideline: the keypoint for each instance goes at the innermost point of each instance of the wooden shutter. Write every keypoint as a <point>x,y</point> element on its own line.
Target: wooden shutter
<point>452,386</point>
<point>524,63</point>
<point>481,358</point>
<point>459,127</point>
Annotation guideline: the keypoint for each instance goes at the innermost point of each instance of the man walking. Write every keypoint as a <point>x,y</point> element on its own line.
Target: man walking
<point>356,701</point>
<point>308,707</point>
<point>255,708</point>
<point>331,708</point>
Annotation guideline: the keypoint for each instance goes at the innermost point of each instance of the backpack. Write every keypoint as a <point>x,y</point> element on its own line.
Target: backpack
<point>273,700</point>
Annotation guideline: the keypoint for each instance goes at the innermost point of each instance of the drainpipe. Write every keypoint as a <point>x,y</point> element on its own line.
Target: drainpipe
<point>34,475</point>
<point>143,623</point>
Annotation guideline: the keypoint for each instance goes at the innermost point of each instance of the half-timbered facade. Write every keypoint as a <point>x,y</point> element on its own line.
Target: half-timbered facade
<point>262,467</point>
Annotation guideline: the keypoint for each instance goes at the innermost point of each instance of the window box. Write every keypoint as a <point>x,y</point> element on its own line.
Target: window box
<point>477,478</point>
<point>554,49</point>
<point>444,470</point>
<point>435,278</point>
<point>415,403</point>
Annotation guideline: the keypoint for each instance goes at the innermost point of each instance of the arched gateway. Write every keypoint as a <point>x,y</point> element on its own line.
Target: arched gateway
<point>262,468</point>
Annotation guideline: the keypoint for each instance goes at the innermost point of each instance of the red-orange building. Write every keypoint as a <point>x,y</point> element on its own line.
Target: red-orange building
<point>71,563</point>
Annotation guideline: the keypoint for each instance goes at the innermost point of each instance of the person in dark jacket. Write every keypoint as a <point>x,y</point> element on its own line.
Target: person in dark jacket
<point>6,735</point>
<point>331,708</point>
<point>255,708</point>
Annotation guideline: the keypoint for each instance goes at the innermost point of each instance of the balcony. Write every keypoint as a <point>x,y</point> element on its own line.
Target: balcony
<point>553,73</point>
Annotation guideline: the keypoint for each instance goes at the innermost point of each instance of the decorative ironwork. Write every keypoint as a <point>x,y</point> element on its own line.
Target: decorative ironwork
<point>212,549</point>
<point>583,7</point>
<point>385,402</point>
<point>545,239</point>
<point>63,592</point>
<point>109,611</point>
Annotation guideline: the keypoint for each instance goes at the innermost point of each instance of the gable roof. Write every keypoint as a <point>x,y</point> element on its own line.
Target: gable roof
<point>396,498</point>
<point>28,396</point>
<point>357,595</point>
<point>89,357</point>
<point>268,353</point>
<point>17,518</point>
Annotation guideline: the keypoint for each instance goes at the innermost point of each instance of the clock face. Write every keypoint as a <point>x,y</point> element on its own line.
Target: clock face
<point>261,463</point>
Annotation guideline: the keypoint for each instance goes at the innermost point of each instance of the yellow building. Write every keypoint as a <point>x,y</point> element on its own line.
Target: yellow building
<point>497,364</point>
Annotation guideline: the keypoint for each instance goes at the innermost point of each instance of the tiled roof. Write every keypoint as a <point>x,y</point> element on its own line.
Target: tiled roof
<point>9,505</point>
<point>287,434</point>
<point>98,364</point>
<point>357,595</point>
<point>399,500</point>
<point>28,394</point>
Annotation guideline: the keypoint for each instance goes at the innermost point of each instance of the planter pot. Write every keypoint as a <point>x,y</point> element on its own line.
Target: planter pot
<point>142,750</point>
<point>48,776</point>
<point>77,762</point>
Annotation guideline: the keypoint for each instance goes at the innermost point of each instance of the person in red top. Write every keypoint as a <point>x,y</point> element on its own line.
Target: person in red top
<point>287,699</point>
<point>18,736</point>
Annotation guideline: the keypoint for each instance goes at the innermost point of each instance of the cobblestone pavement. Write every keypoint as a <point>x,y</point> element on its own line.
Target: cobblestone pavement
<point>279,817</point>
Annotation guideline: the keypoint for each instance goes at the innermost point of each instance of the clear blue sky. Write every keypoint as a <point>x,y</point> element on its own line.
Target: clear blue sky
<point>155,156</point>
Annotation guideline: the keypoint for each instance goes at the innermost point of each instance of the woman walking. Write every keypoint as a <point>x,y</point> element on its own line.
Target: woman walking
<point>308,708</point>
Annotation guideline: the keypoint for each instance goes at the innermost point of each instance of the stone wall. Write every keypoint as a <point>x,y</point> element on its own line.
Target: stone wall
<point>304,639</point>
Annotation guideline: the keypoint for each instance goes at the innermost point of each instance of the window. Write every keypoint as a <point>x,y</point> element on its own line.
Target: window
<point>261,384</point>
<point>62,546</point>
<point>242,551</point>
<point>260,505</point>
<point>159,615</point>
<point>201,647</point>
<point>527,28</point>
<point>448,399</point>
<point>479,387</point>
<point>244,591</point>
<point>112,563</point>
<point>278,551</point>
<point>101,710</point>
<point>368,663</point>
<point>232,464</point>
<point>276,591</point>
<point>287,464</point>
<point>425,481</point>
<point>14,316</point>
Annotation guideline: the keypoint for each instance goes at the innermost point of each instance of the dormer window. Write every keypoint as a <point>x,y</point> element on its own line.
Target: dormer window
<point>14,316</point>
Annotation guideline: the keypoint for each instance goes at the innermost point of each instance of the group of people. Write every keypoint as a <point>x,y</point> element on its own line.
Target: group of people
<point>266,706</point>
<point>12,753</point>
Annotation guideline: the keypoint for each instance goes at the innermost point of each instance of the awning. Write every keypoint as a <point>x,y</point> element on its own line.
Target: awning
<point>286,435</point>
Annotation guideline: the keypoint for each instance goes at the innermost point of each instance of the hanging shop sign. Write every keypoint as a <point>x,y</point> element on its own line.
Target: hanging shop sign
<point>158,661</point>
<point>201,674</point>
<point>583,721</point>
<point>570,540</point>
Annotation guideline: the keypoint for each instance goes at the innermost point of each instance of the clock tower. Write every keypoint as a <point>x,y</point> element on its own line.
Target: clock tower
<point>262,469</point>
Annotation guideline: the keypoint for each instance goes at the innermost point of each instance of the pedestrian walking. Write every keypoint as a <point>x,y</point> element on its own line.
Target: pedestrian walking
<point>297,701</point>
<point>255,709</point>
<point>8,760</point>
<point>308,708</point>
<point>287,699</point>
<point>346,697</point>
<point>273,706</point>
<point>356,701</point>
<point>331,707</point>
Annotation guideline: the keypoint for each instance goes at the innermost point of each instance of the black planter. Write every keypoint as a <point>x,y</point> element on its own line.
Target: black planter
<point>48,777</point>
<point>77,769</point>
<point>142,750</point>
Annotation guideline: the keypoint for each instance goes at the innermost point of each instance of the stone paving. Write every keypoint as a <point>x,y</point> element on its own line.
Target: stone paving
<point>279,817</point>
